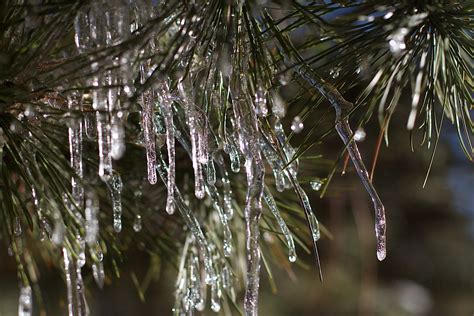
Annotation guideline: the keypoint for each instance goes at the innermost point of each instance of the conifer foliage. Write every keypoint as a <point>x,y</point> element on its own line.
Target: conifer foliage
<point>162,121</point>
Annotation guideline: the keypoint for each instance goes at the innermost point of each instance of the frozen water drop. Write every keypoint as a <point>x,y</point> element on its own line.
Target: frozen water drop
<point>397,40</point>
<point>334,72</point>
<point>316,184</point>
<point>17,230</point>
<point>297,125</point>
<point>360,134</point>
<point>137,224</point>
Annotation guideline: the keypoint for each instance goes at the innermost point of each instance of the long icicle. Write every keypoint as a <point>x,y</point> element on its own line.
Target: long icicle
<point>75,151</point>
<point>149,135</point>
<point>68,275</point>
<point>253,211</point>
<point>167,111</point>
<point>342,108</point>
<point>197,143</point>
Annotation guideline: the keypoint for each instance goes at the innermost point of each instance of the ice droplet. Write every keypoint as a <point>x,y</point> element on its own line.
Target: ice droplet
<point>137,224</point>
<point>360,134</point>
<point>397,40</point>
<point>17,230</point>
<point>316,184</point>
<point>334,72</point>
<point>297,125</point>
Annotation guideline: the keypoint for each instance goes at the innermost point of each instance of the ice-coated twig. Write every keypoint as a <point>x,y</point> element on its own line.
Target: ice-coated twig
<point>281,222</point>
<point>342,108</point>
<point>191,222</point>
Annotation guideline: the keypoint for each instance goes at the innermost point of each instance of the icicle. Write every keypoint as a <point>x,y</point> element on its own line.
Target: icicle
<point>99,103</point>
<point>117,135</point>
<point>261,102</point>
<point>167,111</point>
<point>227,192</point>
<point>59,229</point>
<point>292,169</point>
<point>67,271</point>
<point>313,222</point>
<point>227,234</point>
<point>98,273</point>
<point>91,215</point>
<point>276,164</point>
<point>114,184</point>
<point>197,142</point>
<point>341,106</point>
<point>215,304</point>
<point>25,301</point>
<point>211,172</point>
<point>137,224</point>
<point>234,160</point>
<point>149,134</point>
<point>81,308</point>
<point>227,282</point>
<point>75,152</point>
<point>281,222</point>
<point>192,223</point>
<point>345,133</point>
<point>195,286</point>
<point>233,153</point>
<point>90,127</point>
<point>253,211</point>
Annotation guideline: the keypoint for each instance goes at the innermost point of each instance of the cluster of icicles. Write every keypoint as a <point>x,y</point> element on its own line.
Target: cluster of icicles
<point>202,264</point>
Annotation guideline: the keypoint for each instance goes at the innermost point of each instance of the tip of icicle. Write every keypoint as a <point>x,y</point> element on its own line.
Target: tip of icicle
<point>381,255</point>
